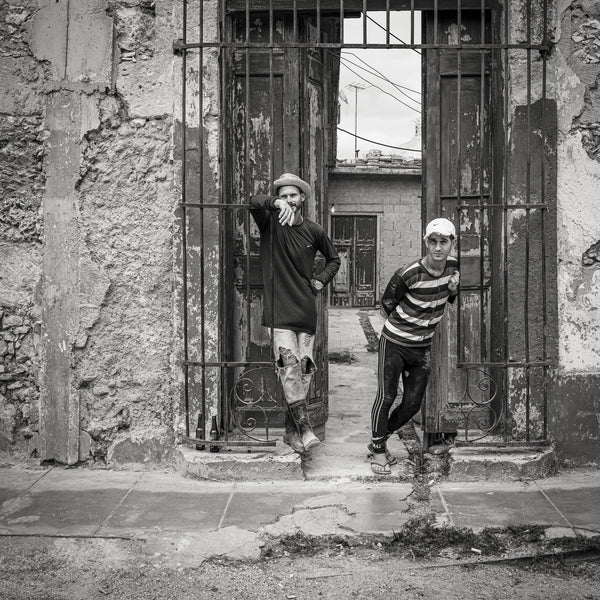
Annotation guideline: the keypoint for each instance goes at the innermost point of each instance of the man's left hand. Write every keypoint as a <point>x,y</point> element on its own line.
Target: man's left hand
<point>316,284</point>
<point>454,281</point>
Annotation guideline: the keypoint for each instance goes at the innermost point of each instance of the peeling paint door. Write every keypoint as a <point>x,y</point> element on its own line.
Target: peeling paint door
<point>456,185</point>
<point>279,103</point>
<point>355,239</point>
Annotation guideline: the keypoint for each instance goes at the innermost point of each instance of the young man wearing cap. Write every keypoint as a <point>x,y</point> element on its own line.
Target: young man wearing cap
<point>288,246</point>
<point>414,302</point>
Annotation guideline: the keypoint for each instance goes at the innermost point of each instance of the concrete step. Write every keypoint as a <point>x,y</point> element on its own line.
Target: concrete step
<point>483,463</point>
<point>256,464</point>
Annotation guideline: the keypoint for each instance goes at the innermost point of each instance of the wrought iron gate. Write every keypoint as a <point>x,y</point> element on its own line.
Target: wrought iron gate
<point>489,151</point>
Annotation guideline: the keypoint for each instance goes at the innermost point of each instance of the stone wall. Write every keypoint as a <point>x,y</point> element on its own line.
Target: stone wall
<point>22,182</point>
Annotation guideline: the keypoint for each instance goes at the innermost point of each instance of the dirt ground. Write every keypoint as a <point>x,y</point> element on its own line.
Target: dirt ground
<point>36,568</point>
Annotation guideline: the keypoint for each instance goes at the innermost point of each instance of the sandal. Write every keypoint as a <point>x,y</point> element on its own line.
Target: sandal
<point>391,460</point>
<point>381,469</point>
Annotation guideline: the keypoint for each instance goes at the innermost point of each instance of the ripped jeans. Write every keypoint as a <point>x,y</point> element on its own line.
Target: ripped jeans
<point>295,364</point>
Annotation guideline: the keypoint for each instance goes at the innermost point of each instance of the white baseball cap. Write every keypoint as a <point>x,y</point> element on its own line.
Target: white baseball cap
<point>441,227</point>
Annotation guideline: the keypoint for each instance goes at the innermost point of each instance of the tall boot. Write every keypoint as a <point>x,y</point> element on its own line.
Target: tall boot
<point>292,437</point>
<point>300,415</point>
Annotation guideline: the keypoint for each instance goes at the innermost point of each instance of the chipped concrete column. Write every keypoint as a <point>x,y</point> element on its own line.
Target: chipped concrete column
<point>75,39</point>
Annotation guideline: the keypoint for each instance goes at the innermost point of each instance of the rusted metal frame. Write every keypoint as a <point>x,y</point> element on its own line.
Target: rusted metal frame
<point>527,233</point>
<point>459,337</point>
<point>371,46</point>
<point>231,443</point>
<point>364,24</point>
<point>201,215</point>
<point>186,374</point>
<point>295,22</point>
<point>387,23</point>
<point>483,155</point>
<point>412,22</point>
<point>272,158</point>
<point>228,363</point>
<point>435,21</point>
<point>543,222</point>
<point>505,187</point>
<point>247,142</point>
<point>507,364</point>
<point>342,22</point>
<point>223,216</point>
<point>319,20</point>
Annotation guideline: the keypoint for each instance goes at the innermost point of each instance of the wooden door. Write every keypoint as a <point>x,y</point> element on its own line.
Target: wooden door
<point>457,185</point>
<point>280,120</point>
<point>355,239</point>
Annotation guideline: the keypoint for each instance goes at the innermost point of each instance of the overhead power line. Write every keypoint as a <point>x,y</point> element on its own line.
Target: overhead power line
<point>373,71</point>
<point>378,143</point>
<point>380,88</point>
<point>391,34</point>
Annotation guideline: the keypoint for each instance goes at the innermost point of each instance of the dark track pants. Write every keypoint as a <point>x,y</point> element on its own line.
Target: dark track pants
<point>395,361</point>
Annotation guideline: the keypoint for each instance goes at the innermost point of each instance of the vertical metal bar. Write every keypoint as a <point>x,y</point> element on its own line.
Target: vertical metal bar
<point>483,160</point>
<point>201,199</point>
<point>543,222</point>
<point>342,13</point>
<point>459,168</point>
<point>224,216</point>
<point>505,185</point>
<point>387,22</point>
<point>318,21</point>
<point>186,373</point>
<point>412,22</point>
<point>527,229</point>
<point>295,23</point>
<point>435,21</point>
<point>364,24</point>
<point>246,187</point>
<point>272,175</point>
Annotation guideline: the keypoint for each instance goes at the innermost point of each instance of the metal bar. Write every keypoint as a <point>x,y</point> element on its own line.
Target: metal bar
<point>412,22</point>
<point>543,223</point>
<point>483,160</point>
<point>459,337</point>
<point>527,234</point>
<point>342,22</point>
<point>201,215</point>
<point>387,22</point>
<point>231,443</point>
<point>228,363</point>
<point>371,45</point>
<point>247,189</point>
<point>515,365</point>
<point>505,187</point>
<point>184,226</point>
<point>319,20</point>
<point>364,24</point>
<point>223,216</point>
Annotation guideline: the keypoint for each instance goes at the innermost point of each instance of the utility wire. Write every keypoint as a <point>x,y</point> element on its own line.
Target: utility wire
<point>381,89</point>
<point>378,143</point>
<point>391,34</point>
<point>380,74</point>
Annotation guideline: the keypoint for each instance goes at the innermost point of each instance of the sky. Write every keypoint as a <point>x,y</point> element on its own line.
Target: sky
<point>379,116</point>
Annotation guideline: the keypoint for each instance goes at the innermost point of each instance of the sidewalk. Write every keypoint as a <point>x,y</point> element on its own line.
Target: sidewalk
<point>188,520</point>
<point>170,513</point>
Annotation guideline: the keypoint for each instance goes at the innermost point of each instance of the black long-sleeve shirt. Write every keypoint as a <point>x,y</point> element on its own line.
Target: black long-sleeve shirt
<point>287,255</point>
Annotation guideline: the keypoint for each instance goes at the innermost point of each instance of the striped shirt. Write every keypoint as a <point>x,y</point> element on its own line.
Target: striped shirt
<point>414,301</point>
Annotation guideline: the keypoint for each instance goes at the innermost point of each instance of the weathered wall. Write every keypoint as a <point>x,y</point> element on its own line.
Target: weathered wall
<point>21,188</point>
<point>87,168</point>
<point>396,200</point>
<point>575,401</point>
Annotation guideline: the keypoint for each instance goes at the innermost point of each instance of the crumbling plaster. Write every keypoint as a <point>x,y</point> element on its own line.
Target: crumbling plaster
<point>578,179</point>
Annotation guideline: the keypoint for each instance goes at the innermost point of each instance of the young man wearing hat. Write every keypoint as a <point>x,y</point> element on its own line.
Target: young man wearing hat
<point>288,246</point>
<point>414,302</point>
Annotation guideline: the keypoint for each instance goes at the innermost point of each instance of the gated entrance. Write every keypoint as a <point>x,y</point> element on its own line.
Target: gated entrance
<point>488,165</point>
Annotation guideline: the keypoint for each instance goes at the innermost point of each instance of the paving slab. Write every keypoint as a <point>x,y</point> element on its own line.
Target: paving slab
<point>499,508</point>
